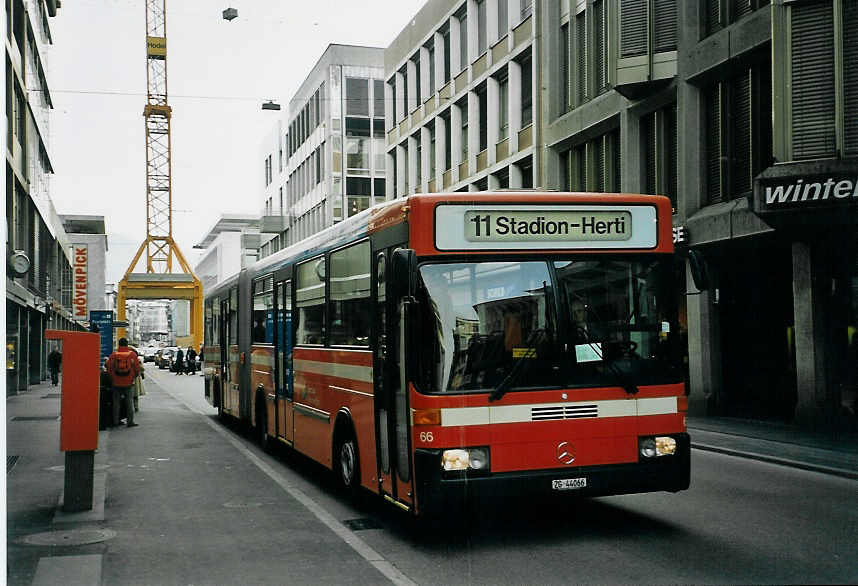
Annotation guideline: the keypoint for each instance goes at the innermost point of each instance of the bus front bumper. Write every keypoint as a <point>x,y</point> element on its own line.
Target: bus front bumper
<point>437,492</point>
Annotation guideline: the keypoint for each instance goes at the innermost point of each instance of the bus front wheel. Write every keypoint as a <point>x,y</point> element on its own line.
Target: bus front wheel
<point>347,465</point>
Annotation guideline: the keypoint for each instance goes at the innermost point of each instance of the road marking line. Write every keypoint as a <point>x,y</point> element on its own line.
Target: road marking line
<point>356,543</point>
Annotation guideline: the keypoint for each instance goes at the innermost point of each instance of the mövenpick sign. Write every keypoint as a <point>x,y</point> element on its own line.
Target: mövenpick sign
<point>79,267</point>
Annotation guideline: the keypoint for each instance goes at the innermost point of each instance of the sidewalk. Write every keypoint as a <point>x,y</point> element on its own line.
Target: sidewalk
<point>175,503</point>
<point>778,443</point>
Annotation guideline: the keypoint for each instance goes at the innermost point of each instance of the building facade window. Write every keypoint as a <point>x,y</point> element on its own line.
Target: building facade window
<point>462,17</point>
<point>565,72</point>
<point>738,126</point>
<point>503,108</point>
<point>526,64</point>
<point>660,153</point>
<point>594,165</point>
<point>503,18</point>
<point>482,44</point>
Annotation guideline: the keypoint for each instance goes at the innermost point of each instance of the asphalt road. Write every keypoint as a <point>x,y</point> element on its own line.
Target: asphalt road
<point>742,521</point>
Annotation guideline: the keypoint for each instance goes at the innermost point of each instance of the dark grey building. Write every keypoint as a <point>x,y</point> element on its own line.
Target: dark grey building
<point>745,113</point>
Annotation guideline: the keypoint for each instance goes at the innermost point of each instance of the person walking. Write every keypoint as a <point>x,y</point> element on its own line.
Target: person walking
<point>55,359</point>
<point>192,360</point>
<point>179,362</point>
<point>123,366</point>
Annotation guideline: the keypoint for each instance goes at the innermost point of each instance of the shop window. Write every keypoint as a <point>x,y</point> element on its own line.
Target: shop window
<point>310,297</point>
<point>350,299</point>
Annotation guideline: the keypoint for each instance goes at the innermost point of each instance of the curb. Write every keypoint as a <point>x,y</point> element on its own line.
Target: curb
<point>843,473</point>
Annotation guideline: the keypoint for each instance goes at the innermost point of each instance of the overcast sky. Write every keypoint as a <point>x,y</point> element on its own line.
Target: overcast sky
<point>219,73</point>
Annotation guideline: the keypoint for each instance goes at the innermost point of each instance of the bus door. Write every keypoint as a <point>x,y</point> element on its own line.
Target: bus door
<point>223,341</point>
<point>283,362</point>
<point>391,388</point>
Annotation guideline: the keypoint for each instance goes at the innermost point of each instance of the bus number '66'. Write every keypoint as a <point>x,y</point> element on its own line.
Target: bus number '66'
<point>426,436</point>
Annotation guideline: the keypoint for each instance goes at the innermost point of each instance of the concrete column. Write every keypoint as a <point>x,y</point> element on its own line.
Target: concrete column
<point>455,139</point>
<point>413,99</point>
<point>473,131</point>
<point>704,350</point>
<point>401,155</point>
<point>515,177</point>
<point>439,61</point>
<point>809,292</point>
<point>400,96</point>
<point>424,75</point>
<point>691,151</point>
<point>413,163</point>
<point>513,13</point>
<point>514,85</point>
<point>631,173</point>
<point>493,183</point>
<point>425,145</point>
<point>472,31</point>
<point>492,23</point>
<point>389,186</point>
<point>492,120</point>
<point>440,150</point>
<point>455,49</point>
<point>389,106</point>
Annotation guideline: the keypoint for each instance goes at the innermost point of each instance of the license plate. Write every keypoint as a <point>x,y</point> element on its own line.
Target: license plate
<point>569,483</point>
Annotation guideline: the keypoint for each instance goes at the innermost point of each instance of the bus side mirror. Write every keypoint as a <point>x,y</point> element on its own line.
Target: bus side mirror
<point>699,270</point>
<point>404,273</point>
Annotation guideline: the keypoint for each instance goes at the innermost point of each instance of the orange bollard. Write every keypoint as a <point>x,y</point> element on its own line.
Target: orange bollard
<point>78,414</point>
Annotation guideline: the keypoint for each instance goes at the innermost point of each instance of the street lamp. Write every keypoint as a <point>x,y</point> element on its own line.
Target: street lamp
<point>270,105</point>
<point>230,13</point>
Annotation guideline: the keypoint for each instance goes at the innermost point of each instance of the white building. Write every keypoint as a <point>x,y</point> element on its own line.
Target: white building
<point>228,246</point>
<point>331,144</point>
<point>459,85</point>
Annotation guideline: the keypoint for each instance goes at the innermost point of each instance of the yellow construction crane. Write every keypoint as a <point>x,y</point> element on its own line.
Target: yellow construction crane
<point>159,281</point>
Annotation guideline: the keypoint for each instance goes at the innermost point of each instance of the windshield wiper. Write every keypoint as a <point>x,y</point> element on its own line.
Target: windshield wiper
<point>518,367</point>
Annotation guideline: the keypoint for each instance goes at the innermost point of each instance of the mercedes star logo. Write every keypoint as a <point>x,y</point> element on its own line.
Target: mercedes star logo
<point>565,452</point>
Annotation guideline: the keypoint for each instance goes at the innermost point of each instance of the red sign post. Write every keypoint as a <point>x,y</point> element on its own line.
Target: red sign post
<point>78,414</point>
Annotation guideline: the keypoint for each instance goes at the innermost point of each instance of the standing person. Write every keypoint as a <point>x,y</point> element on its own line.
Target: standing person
<point>55,359</point>
<point>123,366</point>
<point>179,362</point>
<point>192,360</point>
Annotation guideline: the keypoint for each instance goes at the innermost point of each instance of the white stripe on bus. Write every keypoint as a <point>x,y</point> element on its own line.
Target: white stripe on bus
<point>455,416</point>
<point>346,371</point>
<point>262,359</point>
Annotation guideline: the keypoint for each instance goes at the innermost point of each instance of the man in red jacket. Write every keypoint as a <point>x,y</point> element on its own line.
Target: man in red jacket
<point>123,367</point>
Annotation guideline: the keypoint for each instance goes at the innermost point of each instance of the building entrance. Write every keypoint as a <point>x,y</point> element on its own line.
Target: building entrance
<point>755,311</point>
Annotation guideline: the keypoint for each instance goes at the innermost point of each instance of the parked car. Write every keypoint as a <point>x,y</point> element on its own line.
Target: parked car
<point>149,354</point>
<point>165,358</point>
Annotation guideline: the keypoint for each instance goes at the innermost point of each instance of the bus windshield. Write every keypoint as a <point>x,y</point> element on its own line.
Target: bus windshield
<point>603,321</point>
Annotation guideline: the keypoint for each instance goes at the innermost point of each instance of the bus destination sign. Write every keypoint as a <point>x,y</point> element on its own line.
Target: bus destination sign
<point>501,225</point>
<point>544,227</point>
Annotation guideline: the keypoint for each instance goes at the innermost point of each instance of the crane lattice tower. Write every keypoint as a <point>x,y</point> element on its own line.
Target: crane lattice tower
<point>161,250</point>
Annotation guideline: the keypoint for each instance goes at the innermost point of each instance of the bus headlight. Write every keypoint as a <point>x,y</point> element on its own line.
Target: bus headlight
<point>653,447</point>
<point>465,459</point>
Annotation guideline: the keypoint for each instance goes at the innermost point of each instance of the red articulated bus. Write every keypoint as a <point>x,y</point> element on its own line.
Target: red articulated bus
<point>446,347</point>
